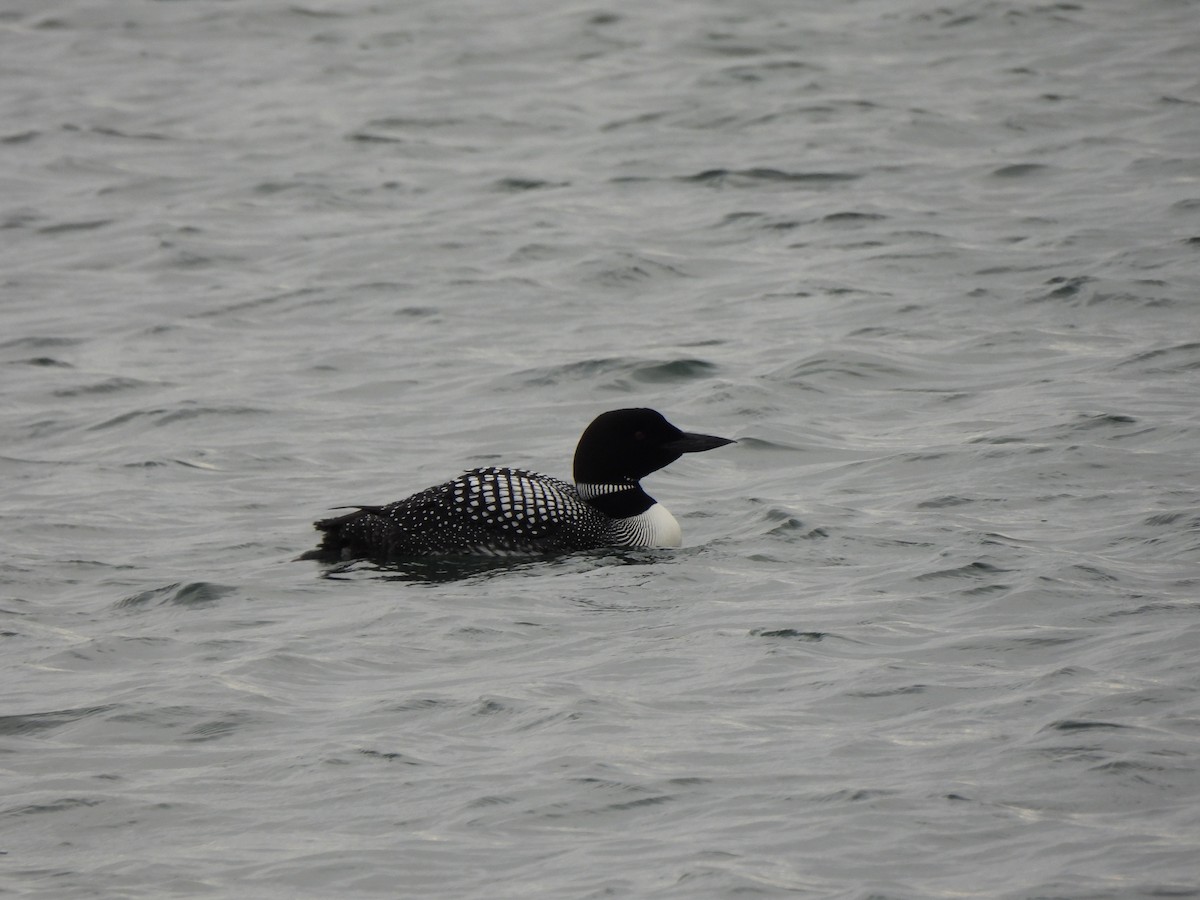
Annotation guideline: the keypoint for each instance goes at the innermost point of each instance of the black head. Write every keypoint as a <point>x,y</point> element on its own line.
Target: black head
<point>625,444</point>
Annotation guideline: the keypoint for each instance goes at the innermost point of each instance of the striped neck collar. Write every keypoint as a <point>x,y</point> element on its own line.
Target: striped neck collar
<point>618,500</point>
<point>590,491</point>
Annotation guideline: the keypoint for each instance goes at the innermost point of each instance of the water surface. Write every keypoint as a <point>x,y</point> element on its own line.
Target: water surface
<point>933,631</point>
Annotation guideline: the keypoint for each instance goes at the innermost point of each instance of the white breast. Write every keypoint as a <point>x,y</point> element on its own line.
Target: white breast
<point>656,527</point>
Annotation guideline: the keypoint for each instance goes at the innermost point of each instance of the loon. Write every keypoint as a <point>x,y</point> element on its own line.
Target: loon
<point>504,512</point>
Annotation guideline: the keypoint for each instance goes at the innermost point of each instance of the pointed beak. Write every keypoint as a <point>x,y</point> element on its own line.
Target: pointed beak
<point>694,443</point>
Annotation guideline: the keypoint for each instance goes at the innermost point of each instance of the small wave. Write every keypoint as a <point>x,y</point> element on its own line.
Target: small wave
<point>945,501</point>
<point>283,301</point>
<point>1082,725</point>
<point>1187,518</point>
<point>775,70</point>
<point>160,417</point>
<point>32,723</point>
<point>193,594</point>
<point>42,361</point>
<point>1178,358</point>
<point>615,372</point>
<point>837,368</point>
<point>1085,290</point>
<point>791,634</point>
<point>39,342</point>
<point>852,217</point>
<point>971,570</point>
<point>754,177</point>
<point>64,227</point>
<point>20,137</point>
<point>390,757</point>
<point>626,269</point>
<point>515,185</point>
<point>1020,170</point>
<point>313,13</point>
<point>106,386</point>
<point>55,806</point>
<point>215,729</point>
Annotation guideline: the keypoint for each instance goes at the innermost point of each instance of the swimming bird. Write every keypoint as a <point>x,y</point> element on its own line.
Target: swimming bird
<point>506,512</point>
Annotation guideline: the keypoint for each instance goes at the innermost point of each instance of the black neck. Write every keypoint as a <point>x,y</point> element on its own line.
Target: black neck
<point>617,502</point>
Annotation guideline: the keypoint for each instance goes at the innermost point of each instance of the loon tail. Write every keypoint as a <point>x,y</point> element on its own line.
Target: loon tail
<point>334,542</point>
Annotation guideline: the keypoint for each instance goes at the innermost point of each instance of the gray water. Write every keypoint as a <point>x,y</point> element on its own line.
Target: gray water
<point>934,629</point>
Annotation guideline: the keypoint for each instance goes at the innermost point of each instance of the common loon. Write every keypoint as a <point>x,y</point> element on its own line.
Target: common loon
<point>502,512</point>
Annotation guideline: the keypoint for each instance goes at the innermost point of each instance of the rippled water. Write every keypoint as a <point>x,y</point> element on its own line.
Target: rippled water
<point>934,629</point>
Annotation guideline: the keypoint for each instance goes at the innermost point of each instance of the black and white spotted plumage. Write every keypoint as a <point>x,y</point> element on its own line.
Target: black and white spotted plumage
<point>483,512</point>
<point>503,512</point>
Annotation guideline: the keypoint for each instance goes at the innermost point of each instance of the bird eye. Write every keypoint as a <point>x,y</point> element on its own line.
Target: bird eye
<point>639,435</point>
